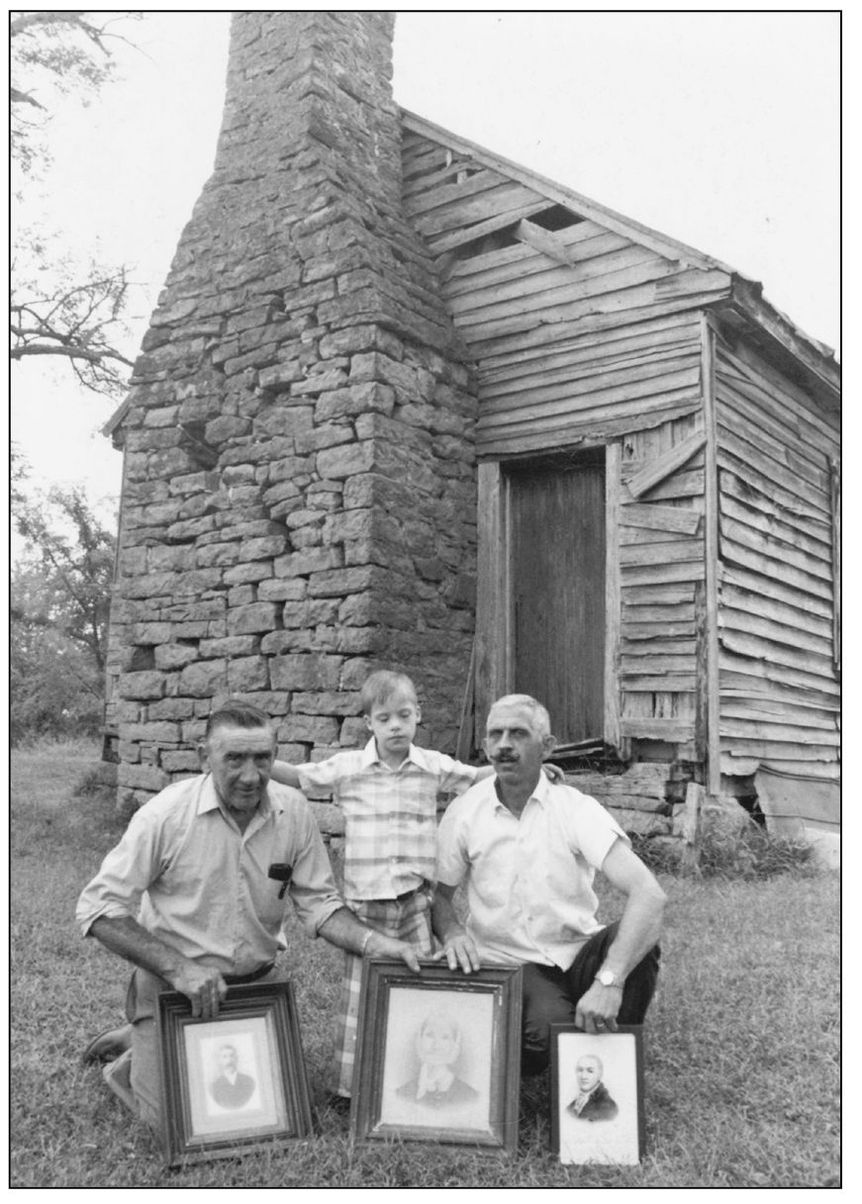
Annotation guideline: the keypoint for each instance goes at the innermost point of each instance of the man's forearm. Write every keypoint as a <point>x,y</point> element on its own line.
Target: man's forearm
<point>639,929</point>
<point>444,918</point>
<point>127,938</point>
<point>345,931</point>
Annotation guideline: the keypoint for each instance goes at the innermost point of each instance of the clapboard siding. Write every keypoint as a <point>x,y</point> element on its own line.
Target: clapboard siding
<point>778,690</point>
<point>661,564</point>
<point>573,326</point>
<point>580,348</point>
<point>581,389</point>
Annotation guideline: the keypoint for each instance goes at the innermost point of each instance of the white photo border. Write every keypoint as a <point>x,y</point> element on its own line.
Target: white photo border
<point>609,1130</point>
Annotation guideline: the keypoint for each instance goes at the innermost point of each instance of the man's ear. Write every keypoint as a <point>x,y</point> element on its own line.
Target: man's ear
<point>203,756</point>
<point>549,743</point>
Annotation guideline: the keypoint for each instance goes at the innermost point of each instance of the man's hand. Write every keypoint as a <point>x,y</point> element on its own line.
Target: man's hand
<point>460,952</point>
<point>203,986</point>
<point>380,945</point>
<point>458,948</point>
<point>554,774</point>
<point>597,1009</point>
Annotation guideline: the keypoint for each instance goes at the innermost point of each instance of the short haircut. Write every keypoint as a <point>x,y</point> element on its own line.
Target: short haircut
<point>236,713</point>
<point>379,687</point>
<point>540,717</point>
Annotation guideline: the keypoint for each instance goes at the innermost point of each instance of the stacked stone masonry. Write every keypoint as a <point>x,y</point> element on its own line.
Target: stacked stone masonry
<point>299,491</point>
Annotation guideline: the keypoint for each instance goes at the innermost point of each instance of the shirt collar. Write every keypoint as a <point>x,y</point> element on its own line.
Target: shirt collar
<point>541,791</point>
<point>208,799</point>
<point>414,754</point>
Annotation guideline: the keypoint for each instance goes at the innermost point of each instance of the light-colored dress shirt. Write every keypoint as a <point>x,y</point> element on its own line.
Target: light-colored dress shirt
<point>529,880</point>
<point>189,876</point>
<point>390,815</point>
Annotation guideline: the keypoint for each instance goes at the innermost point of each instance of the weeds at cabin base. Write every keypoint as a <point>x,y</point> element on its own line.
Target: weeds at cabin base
<point>753,854</point>
<point>729,1101</point>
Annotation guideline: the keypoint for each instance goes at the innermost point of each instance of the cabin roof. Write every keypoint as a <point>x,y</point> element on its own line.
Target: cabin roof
<point>741,303</point>
<point>745,305</point>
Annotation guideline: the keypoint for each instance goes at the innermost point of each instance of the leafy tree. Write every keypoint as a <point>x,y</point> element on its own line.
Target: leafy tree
<point>58,308</point>
<point>59,605</point>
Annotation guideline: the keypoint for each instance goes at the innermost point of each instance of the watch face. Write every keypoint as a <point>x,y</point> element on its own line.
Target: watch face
<point>606,978</point>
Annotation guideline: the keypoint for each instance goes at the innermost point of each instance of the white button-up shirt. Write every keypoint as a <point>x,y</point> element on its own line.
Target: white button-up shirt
<point>529,880</point>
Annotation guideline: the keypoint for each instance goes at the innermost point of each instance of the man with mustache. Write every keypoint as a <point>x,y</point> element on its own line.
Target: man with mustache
<point>529,850</point>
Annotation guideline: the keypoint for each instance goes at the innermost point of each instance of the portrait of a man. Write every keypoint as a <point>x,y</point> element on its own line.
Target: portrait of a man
<point>231,1088</point>
<point>436,1084</point>
<point>593,1101</point>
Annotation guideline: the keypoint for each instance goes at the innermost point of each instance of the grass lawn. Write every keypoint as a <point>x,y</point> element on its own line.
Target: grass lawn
<point>742,1041</point>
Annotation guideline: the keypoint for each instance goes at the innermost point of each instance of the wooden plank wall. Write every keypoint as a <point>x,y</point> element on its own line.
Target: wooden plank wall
<point>661,571</point>
<point>574,328</point>
<point>581,334</point>
<point>779,694</point>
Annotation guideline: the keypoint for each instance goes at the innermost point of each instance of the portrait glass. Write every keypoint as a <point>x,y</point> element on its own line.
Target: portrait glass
<point>437,1058</point>
<point>232,1084</point>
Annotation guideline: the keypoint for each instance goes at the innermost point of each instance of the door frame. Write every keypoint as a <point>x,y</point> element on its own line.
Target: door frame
<point>494,652</point>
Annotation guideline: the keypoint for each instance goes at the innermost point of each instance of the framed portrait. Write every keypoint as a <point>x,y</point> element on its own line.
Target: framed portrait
<point>597,1095</point>
<point>438,1056</point>
<point>234,1082</point>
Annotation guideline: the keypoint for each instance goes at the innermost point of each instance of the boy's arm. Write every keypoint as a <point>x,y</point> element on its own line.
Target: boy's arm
<point>284,773</point>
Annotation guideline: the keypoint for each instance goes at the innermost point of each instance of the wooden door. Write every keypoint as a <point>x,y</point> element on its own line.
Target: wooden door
<point>557,583</point>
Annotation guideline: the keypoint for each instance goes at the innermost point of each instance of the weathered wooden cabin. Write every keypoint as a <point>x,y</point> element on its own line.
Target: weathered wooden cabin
<point>406,403</point>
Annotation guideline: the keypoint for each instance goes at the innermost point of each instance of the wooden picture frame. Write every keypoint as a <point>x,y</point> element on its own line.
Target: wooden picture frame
<point>217,1103</point>
<point>467,1027</point>
<point>597,1111</point>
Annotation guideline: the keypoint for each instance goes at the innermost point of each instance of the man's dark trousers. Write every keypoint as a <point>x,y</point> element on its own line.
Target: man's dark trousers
<point>551,995</point>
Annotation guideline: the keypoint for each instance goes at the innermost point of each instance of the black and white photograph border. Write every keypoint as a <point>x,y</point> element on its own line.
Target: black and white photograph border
<point>597,1109</point>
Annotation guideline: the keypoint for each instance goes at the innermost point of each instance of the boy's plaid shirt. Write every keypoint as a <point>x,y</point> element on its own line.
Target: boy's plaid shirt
<point>390,815</point>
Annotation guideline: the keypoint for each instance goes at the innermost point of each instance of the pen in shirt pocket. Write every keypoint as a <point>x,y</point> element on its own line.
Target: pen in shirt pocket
<point>281,873</point>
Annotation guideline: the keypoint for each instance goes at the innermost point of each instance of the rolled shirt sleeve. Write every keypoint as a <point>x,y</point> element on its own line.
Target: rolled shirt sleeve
<point>312,886</point>
<point>126,873</point>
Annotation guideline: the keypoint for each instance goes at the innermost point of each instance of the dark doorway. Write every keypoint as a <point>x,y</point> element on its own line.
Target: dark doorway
<point>557,546</point>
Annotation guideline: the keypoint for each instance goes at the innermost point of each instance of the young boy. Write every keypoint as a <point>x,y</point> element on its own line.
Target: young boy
<point>387,792</point>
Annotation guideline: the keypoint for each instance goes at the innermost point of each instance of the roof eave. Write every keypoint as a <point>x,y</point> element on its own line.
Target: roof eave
<point>111,427</point>
<point>818,361</point>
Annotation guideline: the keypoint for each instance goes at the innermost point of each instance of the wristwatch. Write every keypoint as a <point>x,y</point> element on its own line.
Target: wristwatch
<point>608,979</point>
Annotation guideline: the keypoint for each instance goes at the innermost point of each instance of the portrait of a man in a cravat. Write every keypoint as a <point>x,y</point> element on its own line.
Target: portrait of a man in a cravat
<point>593,1101</point>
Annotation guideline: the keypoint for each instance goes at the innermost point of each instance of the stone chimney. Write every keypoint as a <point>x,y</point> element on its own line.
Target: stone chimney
<point>299,495</point>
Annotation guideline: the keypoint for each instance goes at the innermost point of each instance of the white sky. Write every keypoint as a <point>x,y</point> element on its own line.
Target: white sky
<point>720,129</point>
